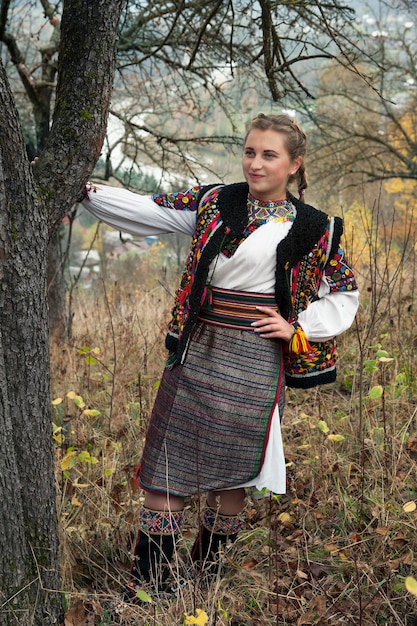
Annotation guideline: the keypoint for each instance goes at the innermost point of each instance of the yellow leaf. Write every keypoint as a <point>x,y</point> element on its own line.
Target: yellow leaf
<point>411,585</point>
<point>200,619</point>
<point>322,425</point>
<point>66,462</point>
<point>335,437</point>
<point>284,517</point>
<point>56,401</point>
<point>71,395</point>
<point>95,351</point>
<point>376,392</point>
<point>91,412</point>
<point>223,611</point>
<point>80,485</point>
<point>143,596</point>
<point>409,507</point>
<point>78,401</point>
<point>60,438</point>
<point>75,501</point>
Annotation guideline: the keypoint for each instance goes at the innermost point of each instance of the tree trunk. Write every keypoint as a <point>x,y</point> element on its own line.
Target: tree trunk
<point>58,322</point>
<point>29,566</point>
<point>57,289</point>
<point>82,102</point>
<point>29,569</point>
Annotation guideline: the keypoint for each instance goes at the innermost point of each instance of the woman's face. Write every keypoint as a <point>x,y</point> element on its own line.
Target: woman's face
<point>267,165</point>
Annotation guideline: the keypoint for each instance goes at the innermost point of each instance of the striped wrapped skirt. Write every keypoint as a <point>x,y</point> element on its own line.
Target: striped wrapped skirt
<point>211,418</point>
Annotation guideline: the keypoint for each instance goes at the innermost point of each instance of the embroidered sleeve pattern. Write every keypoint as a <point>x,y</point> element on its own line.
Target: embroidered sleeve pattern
<point>339,274</point>
<point>179,200</point>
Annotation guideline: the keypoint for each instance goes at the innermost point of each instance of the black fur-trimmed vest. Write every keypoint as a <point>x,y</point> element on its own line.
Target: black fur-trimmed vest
<point>302,255</point>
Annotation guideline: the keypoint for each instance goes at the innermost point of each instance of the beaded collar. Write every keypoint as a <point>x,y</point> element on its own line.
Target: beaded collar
<point>259,213</point>
<point>280,211</point>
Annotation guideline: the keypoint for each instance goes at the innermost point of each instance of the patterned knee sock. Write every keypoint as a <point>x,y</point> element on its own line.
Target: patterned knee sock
<point>215,531</point>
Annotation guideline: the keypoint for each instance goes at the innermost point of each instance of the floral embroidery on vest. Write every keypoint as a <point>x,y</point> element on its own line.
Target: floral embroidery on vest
<point>208,221</point>
<point>301,264</point>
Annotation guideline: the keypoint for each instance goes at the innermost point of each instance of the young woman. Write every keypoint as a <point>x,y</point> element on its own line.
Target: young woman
<point>265,290</point>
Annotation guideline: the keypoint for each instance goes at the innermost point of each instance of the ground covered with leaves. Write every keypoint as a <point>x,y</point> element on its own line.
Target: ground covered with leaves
<point>339,548</point>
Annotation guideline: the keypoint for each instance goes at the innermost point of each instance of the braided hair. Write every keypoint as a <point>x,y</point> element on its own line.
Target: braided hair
<point>294,138</point>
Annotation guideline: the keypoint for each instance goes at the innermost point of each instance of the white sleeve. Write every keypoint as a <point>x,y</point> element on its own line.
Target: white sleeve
<point>331,315</point>
<point>133,213</point>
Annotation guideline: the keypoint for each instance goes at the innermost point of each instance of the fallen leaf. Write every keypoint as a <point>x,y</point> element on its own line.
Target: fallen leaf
<point>331,547</point>
<point>322,425</point>
<point>143,596</point>
<point>412,444</point>
<point>411,585</point>
<point>200,619</point>
<point>78,615</point>
<point>335,437</point>
<point>68,460</point>
<point>376,392</point>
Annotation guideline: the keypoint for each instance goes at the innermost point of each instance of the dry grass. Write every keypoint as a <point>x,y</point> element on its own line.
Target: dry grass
<point>334,550</point>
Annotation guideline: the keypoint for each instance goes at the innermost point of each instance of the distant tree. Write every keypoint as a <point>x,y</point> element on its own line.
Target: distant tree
<point>367,133</point>
<point>204,68</point>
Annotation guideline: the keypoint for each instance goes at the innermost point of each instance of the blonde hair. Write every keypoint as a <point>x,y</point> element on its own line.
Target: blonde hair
<point>294,138</point>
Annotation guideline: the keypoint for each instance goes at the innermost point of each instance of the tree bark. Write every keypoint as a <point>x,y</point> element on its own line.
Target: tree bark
<point>82,102</point>
<point>29,531</point>
<point>29,213</point>
<point>57,289</point>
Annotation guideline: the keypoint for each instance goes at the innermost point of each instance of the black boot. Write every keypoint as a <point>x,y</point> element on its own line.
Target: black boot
<point>153,551</point>
<point>216,531</point>
<point>151,558</point>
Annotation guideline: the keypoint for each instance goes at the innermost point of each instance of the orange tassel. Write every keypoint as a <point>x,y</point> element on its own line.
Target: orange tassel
<point>299,342</point>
